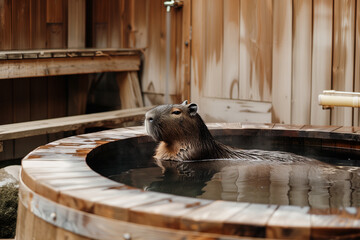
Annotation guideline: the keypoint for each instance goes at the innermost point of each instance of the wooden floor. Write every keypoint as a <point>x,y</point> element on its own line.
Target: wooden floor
<point>61,195</point>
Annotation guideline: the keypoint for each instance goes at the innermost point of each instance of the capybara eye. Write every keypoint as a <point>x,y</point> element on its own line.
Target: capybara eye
<point>176,112</point>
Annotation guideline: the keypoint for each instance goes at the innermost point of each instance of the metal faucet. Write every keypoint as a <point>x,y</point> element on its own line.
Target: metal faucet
<point>174,4</point>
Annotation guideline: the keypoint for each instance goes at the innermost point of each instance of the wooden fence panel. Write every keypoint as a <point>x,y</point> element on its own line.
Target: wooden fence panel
<point>255,50</point>
<point>139,23</point>
<point>357,62</point>
<point>5,27</point>
<point>76,23</point>
<point>21,100</point>
<point>38,108</point>
<point>20,24</point>
<point>343,57</point>
<point>6,109</point>
<point>155,63</point>
<point>213,48</point>
<point>282,66</point>
<point>198,52</point>
<point>231,52</point>
<point>321,58</point>
<point>116,28</point>
<point>100,23</point>
<point>56,23</point>
<point>38,24</point>
<point>301,62</point>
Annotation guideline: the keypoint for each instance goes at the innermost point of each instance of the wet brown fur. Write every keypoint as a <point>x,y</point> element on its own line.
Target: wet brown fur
<point>183,135</point>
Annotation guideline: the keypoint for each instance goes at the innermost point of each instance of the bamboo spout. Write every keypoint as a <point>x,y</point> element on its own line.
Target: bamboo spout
<point>331,98</point>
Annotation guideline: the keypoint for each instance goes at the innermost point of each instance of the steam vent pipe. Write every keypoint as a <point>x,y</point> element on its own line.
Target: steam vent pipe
<point>332,98</point>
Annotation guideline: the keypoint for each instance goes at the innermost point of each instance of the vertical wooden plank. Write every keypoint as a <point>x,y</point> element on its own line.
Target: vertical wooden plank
<point>38,98</point>
<point>116,13</point>
<point>6,117</point>
<point>38,24</point>
<point>76,23</point>
<point>255,50</point>
<point>184,67</point>
<point>197,50</point>
<point>21,98</point>
<point>57,93</point>
<point>129,90</point>
<point>153,79</point>
<point>5,24</point>
<point>357,61</point>
<point>20,33</point>
<point>282,56</point>
<point>343,58</point>
<point>38,108</point>
<point>56,12</point>
<point>321,58</point>
<point>21,87</point>
<point>213,48</point>
<point>175,86</point>
<point>6,101</point>
<point>139,23</point>
<point>78,86</point>
<point>125,22</point>
<point>231,49</point>
<point>25,222</point>
<point>21,113</point>
<point>100,23</point>
<point>54,36</point>
<point>57,104</point>
<point>301,62</point>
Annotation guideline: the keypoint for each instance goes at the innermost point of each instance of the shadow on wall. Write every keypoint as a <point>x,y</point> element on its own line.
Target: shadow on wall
<point>103,94</point>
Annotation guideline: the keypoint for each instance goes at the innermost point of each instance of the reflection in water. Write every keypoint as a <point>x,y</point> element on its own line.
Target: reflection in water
<point>296,181</point>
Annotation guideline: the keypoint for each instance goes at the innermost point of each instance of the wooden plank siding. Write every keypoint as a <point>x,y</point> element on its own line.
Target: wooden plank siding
<point>241,57</point>
<point>58,24</point>
<point>343,57</point>
<point>301,61</point>
<point>272,52</point>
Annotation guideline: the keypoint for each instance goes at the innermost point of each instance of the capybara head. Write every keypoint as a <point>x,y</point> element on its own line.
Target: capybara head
<point>173,122</point>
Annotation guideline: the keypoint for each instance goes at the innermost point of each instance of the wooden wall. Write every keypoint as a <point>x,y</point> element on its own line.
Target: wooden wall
<point>240,60</point>
<point>154,40</point>
<point>249,53</point>
<point>53,24</point>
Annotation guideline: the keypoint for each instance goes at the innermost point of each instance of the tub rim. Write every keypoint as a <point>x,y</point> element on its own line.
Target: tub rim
<point>58,172</point>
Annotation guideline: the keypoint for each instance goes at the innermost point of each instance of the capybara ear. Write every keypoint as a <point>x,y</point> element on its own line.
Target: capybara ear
<point>185,103</point>
<point>193,108</point>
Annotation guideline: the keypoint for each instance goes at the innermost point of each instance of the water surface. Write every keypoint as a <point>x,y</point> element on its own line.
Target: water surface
<point>306,179</point>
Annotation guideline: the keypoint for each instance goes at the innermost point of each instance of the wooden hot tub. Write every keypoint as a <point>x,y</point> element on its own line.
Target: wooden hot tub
<point>61,197</point>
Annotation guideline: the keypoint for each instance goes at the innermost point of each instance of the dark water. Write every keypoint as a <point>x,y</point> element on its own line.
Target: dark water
<point>315,177</point>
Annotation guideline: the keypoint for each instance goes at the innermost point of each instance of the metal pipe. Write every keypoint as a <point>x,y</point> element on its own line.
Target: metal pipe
<point>168,5</point>
<point>167,57</point>
<point>332,98</point>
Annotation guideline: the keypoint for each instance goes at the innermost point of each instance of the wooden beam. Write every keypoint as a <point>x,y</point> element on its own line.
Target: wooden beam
<point>33,128</point>
<point>67,66</point>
